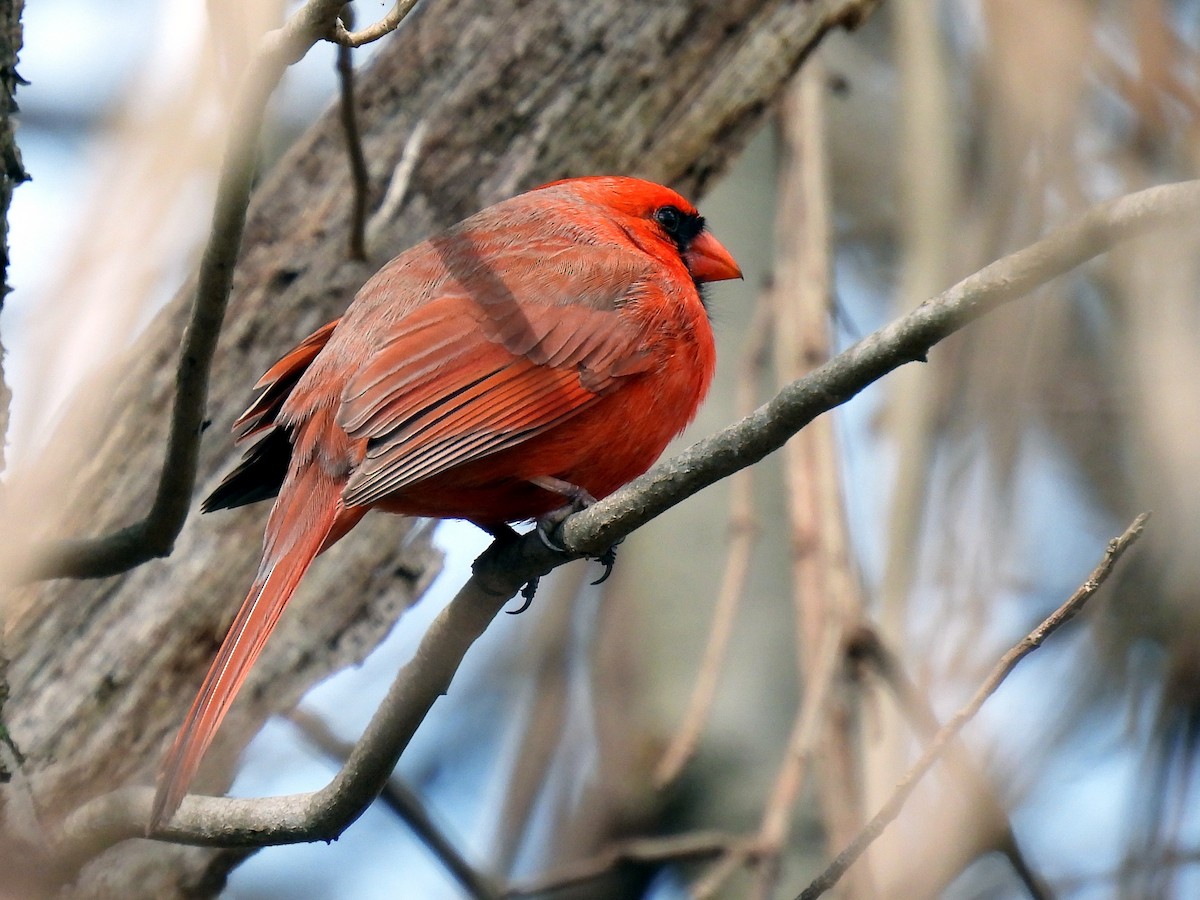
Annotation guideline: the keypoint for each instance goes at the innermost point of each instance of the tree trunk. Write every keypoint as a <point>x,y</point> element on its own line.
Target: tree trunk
<point>511,94</point>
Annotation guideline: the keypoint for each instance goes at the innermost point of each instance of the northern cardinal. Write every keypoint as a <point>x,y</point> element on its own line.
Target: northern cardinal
<point>543,350</point>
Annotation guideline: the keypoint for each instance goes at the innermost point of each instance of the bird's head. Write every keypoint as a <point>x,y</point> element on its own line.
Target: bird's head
<point>660,217</point>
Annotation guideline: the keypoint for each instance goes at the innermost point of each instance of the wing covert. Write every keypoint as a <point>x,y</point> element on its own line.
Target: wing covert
<point>456,380</point>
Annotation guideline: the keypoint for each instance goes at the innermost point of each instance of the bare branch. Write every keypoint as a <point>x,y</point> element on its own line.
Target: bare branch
<point>867,645</point>
<point>12,174</point>
<point>155,535</point>
<point>354,150</point>
<point>382,28</point>
<point>948,732</point>
<point>398,185</point>
<point>323,814</point>
<point>823,596</point>
<point>789,780</point>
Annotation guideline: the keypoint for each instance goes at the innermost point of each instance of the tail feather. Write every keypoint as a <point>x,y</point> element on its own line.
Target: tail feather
<point>302,523</point>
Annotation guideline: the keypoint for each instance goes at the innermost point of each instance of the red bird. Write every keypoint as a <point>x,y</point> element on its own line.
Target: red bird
<point>547,347</point>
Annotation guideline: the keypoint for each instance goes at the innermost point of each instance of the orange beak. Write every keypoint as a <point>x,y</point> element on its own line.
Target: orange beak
<point>707,260</point>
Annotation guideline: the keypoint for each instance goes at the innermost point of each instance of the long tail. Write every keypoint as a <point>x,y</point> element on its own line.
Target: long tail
<point>307,517</point>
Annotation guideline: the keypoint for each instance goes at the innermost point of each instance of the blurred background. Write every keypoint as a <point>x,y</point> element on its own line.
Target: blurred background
<point>869,577</point>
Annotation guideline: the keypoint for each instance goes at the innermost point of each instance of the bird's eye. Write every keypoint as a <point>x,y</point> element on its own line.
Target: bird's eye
<point>669,218</point>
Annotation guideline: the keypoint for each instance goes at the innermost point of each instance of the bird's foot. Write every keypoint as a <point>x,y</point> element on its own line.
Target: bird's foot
<point>505,533</point>
<point>579,499</point>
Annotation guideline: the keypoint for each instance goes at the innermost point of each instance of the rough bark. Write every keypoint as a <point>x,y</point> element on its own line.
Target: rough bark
<point>12,171</point>
<point>512,94</point>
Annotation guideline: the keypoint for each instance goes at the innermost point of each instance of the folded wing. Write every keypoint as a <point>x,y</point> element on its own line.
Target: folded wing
<point>457,380</point>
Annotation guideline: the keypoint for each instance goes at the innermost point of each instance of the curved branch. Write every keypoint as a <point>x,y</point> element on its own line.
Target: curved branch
<point>382,28</point>
<point>155,535</point>
<point>507,565</point>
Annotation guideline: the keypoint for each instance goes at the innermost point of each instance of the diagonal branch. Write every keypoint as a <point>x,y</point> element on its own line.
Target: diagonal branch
<point>868,646</point>
<point>501,571</point>
<point>155,535</point>
<point>385,26</point>
<point>946,736</point>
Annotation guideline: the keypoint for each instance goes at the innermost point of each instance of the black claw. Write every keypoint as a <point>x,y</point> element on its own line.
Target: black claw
<point>608,559</point>
<point>543,534</point>
<point>527,593</point>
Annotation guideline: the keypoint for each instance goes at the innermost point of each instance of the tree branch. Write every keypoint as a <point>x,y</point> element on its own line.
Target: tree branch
<point>155,535</point>
<point>949,732</point>
<point>382,28</point>
<point>867,646</point>
<point>359,176</point>
<point>501,571</point>
<point>12,174</point>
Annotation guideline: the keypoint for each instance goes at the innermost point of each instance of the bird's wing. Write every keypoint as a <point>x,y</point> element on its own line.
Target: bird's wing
<point>277,384</point>
<point>457,379</point>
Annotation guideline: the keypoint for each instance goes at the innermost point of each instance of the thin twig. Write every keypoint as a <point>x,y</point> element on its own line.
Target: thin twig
<point>406,804</point>
<point>867,645</point>
<point>789,781</point>
<point>385,26</point>
<point>155,535</point>
<point>819,580</point>
<point>359,177</point>
<point>397,186</point>
<point>505,567</point>
<point>743,535</point>
<point>691,847</point>
<point>948,732</point>
<point>929,199</point>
